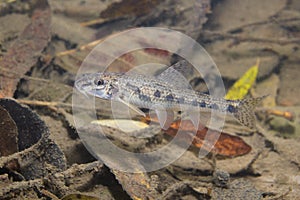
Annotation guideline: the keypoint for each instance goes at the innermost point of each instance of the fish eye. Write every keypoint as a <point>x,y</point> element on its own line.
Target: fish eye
<point>99,82</point>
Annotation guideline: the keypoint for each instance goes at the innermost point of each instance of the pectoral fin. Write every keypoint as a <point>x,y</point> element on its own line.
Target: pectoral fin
<point>136,109</point>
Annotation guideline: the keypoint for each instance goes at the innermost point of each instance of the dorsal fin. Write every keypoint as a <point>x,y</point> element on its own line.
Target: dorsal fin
<point>173,77</point>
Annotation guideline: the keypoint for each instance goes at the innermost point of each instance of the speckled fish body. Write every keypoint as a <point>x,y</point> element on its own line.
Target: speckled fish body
<point>154,93</point>
<point>148,92</point>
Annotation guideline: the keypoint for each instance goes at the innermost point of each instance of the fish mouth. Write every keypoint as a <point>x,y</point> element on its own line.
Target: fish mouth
<point>92,92</point>
<point>81,85</point>
<point>81,90</point>
<point>101,94</point>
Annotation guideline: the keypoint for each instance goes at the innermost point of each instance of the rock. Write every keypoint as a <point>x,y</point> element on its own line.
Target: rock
<point>234,61</point>
<point>239,189</point>
<point>221,178</point>
<point>268,87</point>
<point>283,126</point>
<point>239,13</point>
<point>289,90</point>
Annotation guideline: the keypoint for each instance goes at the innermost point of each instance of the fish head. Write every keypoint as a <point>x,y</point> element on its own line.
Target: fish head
<point>101,85</point>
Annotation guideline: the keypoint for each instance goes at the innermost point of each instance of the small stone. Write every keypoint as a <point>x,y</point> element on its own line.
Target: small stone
<point>221,178</point>
<point>283,126</point>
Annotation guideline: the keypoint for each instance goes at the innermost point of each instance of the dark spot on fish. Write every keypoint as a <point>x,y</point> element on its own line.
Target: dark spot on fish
<point>144,97</point>
<point>180,100</point>
<point>134,88</point>
<point>195,103</point>
<point>231,109</point>
<point>169,97</point>
<point>202,104</point>
<point>121,95</point>
<point>157,93</point>
<point>214,106</point>
<point>137,90</point>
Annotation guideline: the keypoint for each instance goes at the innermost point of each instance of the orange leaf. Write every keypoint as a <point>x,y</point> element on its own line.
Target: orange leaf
<point>226,145</point>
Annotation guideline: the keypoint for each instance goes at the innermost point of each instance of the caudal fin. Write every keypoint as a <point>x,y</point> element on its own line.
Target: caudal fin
<point>245,111</point>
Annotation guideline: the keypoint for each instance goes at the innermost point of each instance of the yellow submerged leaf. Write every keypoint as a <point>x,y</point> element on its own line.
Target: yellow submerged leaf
<point>242,86</point>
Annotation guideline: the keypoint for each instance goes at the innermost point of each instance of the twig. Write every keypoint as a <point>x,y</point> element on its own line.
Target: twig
<point>271,20</point>
<point>43,103</point>
<point>273,111</point>
<point>94,22</point>
<point>18,76</point>
<point>52,105</point>
<point>81,48</point>
<point>285,114</point>
<point>208,34</point>
<point>49,194</point>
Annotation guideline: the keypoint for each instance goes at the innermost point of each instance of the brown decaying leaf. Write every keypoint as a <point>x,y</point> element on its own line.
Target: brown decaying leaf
<point>8,134</point>
<point>129,8</point>
<point>226,145</point>
<point>123,63</point>
<point>79,197</point>
<point>25,51</point>
<point>33,136</point>
<point>140,57</point>
<point>137,185</point>
<point>30,127</point>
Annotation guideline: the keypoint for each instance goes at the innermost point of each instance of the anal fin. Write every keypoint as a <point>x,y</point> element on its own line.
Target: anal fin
<point>195,118</point>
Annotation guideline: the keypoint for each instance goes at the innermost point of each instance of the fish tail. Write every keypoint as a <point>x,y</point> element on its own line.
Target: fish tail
<point>245,111</point>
